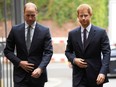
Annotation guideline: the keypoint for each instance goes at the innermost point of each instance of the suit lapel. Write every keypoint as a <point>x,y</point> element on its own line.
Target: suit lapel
<point>78,38</point>
<point>90,36</point>
<point>35,35</point>
<point>22,36</point>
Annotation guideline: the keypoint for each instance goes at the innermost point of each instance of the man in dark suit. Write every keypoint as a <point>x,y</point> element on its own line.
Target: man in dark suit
<point>33,50</point>
<point>84,50</point>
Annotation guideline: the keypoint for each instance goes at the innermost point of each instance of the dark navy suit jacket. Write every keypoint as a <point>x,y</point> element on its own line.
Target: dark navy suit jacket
<point>39,54</point>
<point>96,44</point>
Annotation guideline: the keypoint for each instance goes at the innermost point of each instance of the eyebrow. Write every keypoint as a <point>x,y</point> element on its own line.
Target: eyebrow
<point>30,14</point>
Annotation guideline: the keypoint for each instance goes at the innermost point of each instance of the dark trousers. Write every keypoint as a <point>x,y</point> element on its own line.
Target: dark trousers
<point>28,82</point>
<point>28,85</point>
<point>84,83</point>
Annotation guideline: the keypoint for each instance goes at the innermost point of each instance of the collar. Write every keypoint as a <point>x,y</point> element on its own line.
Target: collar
<point>87,28</point>
<point>32,26</point>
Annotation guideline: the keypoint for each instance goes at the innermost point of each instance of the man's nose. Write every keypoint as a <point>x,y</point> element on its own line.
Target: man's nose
<point>30,17</point>
<point>83,17</point>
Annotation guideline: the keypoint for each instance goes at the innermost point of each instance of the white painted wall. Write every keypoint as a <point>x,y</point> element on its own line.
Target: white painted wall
<point>112,21</point>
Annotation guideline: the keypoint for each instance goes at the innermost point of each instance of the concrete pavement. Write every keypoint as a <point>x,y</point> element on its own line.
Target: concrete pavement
<point>52,82</point>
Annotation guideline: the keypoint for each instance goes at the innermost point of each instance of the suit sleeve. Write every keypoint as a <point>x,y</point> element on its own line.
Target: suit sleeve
<point>48,51</point>
<point>9,49</point>
<point>105,47</point>
<point>69,52</point>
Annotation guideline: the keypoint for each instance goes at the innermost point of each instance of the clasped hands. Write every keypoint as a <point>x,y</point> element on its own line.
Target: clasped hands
<point>29,67</point>
<point>83,64</point>
<point>80,62</point>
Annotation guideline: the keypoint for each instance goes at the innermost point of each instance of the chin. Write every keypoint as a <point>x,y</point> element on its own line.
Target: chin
<point>30,23</point>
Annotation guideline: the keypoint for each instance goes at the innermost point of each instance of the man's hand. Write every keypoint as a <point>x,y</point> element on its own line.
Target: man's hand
<point>100,79</point>
<point>80,62</point>
<point>36,73</point>
<point>26,66</point>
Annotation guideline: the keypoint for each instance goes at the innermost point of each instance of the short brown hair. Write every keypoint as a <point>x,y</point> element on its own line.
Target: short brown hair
<point>30,3</point>
<point>84,6</point>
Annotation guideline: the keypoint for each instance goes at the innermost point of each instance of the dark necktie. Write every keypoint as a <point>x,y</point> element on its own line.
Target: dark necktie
<point>28,42</point>
<point>84,37</point>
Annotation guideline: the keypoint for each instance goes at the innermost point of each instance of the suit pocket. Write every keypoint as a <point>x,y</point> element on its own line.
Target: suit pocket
<point>19,74</point>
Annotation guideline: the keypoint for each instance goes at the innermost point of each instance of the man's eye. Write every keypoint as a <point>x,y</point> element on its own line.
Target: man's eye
<point>27,15</point>
<point>30,15</point>
<point>83,15</point>
<point>86,15</point>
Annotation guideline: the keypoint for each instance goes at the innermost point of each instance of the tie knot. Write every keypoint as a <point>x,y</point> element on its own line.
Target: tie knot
<point>29,27</point>
<point>84,30</point>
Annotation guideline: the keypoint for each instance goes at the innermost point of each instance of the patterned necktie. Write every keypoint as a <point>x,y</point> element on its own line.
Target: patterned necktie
<point>28,42</point>
<point>84,37</point>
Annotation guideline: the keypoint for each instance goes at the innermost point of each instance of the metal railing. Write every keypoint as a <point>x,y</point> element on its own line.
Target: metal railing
<point>6,69</point>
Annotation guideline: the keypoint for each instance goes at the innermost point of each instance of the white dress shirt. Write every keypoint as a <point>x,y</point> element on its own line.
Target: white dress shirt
<point>32,29</point>
<point>87,33</point>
